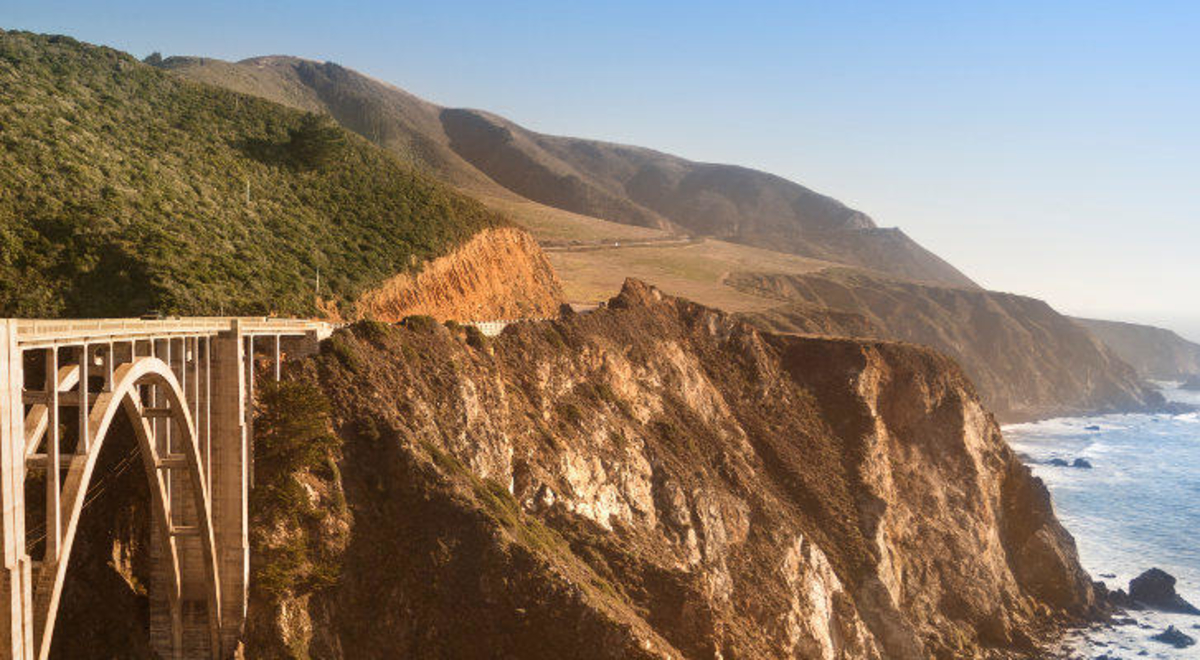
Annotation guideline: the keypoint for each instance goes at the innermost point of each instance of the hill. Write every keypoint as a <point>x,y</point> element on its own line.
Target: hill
<point>1155,352</point>
<point>1027,360</point>
<point>505,165</point>
<point>124,188</point>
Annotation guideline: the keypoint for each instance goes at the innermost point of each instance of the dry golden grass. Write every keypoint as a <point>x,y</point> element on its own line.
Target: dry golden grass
<point>696,272</point>
<point>551,225</point>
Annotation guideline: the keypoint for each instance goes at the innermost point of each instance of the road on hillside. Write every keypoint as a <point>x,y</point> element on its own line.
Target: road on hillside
<point>616,245</point>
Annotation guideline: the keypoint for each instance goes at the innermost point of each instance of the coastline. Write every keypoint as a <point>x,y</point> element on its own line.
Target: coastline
<point>1128,513</point>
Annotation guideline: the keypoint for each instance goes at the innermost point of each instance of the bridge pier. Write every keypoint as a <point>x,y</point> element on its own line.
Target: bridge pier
<point>231,478</point>
<point>16,579</point>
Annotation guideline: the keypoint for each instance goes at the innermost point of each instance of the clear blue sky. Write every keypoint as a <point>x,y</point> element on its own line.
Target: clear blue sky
<point>1046,148</point>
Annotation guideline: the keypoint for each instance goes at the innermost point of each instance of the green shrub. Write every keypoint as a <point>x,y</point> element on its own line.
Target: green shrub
<point>291,431</point>
<point>420,323</point>
<point>339,347</point>
<point>371,330</point>
<point>552,335</point>
<point>316,142</point>
<point>475,338</point>
<point>292,436</point>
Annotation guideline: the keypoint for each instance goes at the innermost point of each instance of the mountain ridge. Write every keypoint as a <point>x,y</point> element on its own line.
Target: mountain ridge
<point>1028,361</point>
<point>497,158</point>
<point>1156,353</point>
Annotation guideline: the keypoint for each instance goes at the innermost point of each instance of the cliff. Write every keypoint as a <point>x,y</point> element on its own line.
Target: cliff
<point>498,274</point>
<point>1155,352</point>
<point>1027,360</point>
<point>652,480</point>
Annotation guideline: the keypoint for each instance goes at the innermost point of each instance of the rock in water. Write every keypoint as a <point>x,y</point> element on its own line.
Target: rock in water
<point>1174,637</point>
<point>1156,588</point>
<point>1058,462</point>
<point>1093,427</point>
<point>1082,463</point>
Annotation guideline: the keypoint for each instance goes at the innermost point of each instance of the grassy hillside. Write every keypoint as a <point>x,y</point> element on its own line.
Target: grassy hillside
<point>124,188</point>
<point>552,184</point>
<point>694,270</point>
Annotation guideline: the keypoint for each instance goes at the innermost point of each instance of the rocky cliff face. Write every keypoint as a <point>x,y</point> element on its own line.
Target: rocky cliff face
<point>498,274</point>
<point>652,480</point>
<point>1028,360</point>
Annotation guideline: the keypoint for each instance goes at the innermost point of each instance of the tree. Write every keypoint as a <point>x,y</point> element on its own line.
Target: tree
<point>315,142</point>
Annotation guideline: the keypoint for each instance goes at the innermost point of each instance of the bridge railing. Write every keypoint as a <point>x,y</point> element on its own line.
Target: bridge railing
<point>32,332</point>
<point>495,327</point>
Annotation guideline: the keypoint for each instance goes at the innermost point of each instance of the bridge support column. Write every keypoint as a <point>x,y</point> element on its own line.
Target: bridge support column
<point>231,479</point>
<point>16,592</point>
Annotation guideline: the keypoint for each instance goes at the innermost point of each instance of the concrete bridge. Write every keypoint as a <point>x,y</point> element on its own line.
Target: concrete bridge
<point>494,328</point>
<point>186,386</point>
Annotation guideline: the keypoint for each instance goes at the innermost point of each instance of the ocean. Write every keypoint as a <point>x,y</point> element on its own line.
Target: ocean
<point>1137,507</point>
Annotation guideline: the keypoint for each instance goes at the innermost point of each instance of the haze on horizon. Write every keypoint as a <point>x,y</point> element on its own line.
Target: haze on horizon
<point>1048,151</point>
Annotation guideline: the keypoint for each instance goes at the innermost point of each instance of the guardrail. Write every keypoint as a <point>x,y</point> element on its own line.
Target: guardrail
<point>495,327</point>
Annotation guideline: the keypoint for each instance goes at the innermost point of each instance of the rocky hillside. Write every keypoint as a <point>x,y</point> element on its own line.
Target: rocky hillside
<point>494,157</point>
<point>124,188</point>
<point>651,480</point>
<point>498,274</point>
<point>1027,360</point>
<point>1155,352</point>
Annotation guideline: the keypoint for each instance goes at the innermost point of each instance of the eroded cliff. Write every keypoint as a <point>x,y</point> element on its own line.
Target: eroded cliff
<point>656,479</point>
<point>499,274</point>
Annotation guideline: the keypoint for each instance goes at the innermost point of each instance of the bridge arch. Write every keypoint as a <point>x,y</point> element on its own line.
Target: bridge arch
<point>126,394</point>
<point>187,386</point>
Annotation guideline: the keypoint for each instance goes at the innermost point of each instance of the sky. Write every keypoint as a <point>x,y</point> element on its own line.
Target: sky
<point>1044,148</point>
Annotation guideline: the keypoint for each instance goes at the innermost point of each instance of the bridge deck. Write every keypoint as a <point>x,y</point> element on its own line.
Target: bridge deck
<point>42,332</point>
